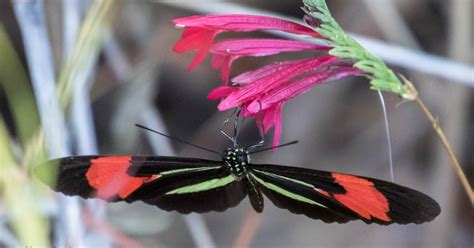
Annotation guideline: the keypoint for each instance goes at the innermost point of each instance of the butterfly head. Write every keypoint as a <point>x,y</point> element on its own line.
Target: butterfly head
<point>237,160</point>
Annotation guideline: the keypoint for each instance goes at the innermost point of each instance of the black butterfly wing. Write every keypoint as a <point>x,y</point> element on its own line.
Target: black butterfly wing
<point>171,183</point>
<point>336,197</point>
<point>198,191</point>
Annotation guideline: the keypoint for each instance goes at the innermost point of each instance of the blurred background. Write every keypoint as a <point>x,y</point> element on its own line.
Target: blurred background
<point>75,76</point>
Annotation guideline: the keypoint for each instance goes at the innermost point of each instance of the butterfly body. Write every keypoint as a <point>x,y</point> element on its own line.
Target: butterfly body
<point>236,159</point>
<point>199,185</point>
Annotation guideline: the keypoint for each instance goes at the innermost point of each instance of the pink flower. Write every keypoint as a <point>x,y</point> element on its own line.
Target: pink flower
<point>267,89</point>
<point>270,101</point>
<point>226,52</point>
<point>200,31</point>
<point>269,82</point>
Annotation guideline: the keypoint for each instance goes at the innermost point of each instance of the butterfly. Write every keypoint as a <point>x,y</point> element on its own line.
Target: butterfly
<point>198,185</point>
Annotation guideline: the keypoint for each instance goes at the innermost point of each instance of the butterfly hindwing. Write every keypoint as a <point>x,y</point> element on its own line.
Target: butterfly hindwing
<point>172,183</point>
<point>336,197</point>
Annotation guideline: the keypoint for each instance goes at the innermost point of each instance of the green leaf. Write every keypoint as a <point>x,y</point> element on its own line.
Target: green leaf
<point>20,98</point>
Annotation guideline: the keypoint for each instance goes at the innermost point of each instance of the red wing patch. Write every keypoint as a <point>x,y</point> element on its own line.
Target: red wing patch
<point>108,175</point>
<point>362,197</point>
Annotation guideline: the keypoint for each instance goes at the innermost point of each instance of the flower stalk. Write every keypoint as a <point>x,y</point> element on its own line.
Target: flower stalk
<point>444,141</point>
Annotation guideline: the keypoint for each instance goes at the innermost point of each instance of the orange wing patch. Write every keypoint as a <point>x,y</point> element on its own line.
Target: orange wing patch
<point>108,175</point>
<point>362,197</point>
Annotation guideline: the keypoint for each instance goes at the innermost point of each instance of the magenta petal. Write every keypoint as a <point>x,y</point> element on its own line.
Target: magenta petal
<point>277,122</point>
<point>272,81</point>
<point>250,76</point>
<point>268,117</point>
<point>225,52</point>
<point>218,61</point>
<point>200,31</point>
<point>288,91</point>
<point>220,92</point>
<point>263,47</point>
<point>198,40</point>
<point>343,73</point>
<point>244,23</point>
<point>248,114</point>
<point>224,63</point>
<point>190,40</point>
<point>301,86</point>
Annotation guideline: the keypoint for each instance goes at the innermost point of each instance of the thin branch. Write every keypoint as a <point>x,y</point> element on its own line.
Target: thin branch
<point>444,141</point>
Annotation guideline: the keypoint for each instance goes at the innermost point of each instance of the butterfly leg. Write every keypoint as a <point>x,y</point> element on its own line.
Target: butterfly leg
<point>235,118</point>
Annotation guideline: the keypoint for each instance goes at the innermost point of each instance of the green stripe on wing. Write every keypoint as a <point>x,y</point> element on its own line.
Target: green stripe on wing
<point>203,186</point>
<point>170,172</point>
<point>285,178</point>
<point>285,192</point>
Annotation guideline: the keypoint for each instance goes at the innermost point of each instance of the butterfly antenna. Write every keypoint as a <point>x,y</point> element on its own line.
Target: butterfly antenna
<point>180,140</point>
<point>273,147</point>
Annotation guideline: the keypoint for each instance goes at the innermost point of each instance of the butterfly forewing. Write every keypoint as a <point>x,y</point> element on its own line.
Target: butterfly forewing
<point>336,197</point>
<point>171,183</point>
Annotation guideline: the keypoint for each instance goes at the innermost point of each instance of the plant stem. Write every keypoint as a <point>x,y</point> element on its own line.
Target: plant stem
<point>444,141</point>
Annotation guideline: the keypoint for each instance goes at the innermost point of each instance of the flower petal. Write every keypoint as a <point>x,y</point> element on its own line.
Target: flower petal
<point>224,63</point>
<point>277,122</point>
<point>301,86</point>
<point>288,91</point>
<point>225,52</point>
<point>250,76</point>
<point>220,92</point>
<point>198,40</point>
<point>268,118</point>
<point>263,47</point>
<point>200,31</point>
<point>244,23</point>
<point>265,84</point>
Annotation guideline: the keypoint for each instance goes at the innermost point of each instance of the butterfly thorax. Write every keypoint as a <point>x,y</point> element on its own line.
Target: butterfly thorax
<point>237,160</point>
